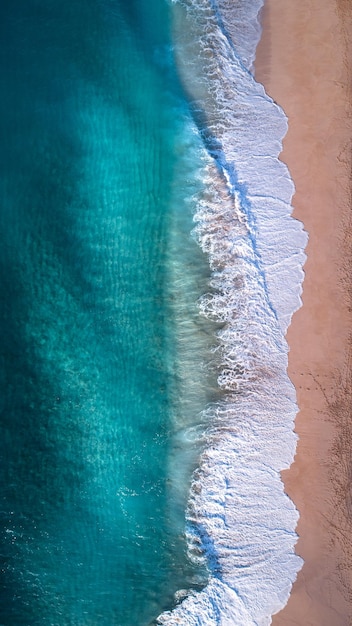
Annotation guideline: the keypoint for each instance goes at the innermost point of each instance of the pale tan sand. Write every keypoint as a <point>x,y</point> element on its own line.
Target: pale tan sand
<point>304,61</point>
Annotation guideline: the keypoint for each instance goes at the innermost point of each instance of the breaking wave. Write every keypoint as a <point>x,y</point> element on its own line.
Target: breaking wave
<point>239,520</point>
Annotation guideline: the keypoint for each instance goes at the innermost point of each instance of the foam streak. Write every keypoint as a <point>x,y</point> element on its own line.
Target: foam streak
<point>239,518</point>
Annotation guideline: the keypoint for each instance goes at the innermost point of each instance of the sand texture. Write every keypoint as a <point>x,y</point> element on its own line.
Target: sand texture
<point>305,62</point>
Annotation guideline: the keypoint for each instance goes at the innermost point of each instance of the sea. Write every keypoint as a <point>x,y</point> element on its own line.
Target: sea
<point>149,269</point>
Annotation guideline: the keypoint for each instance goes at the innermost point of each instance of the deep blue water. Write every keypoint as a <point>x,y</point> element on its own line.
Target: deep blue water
<point>91,115</point>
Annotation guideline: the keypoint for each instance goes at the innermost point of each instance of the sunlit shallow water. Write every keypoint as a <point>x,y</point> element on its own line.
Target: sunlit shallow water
<point>103,353</point>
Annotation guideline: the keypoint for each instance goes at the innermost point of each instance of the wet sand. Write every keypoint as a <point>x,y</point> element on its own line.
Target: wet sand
<point>305,62</point>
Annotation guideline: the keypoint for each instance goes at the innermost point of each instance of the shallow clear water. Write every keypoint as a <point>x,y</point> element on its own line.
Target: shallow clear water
<point>99,279</point>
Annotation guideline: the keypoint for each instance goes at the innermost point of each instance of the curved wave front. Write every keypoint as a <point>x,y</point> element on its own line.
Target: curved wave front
<point>239,518</point>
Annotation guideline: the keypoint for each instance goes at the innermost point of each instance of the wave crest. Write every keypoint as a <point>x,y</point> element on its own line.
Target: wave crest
<point>238,516</point>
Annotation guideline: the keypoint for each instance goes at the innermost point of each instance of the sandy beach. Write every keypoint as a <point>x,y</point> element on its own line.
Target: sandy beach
<point>304,61</point>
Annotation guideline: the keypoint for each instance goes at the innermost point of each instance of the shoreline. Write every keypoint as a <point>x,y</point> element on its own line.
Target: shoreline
<point>311,81</point>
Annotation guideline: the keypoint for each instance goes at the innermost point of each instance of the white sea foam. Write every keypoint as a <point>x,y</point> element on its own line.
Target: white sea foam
<point>238,19</point>
<point>239,518</point>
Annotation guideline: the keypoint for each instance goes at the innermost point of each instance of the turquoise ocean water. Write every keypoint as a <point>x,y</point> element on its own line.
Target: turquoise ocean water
<point>98,276</point>
<point>149,268</point>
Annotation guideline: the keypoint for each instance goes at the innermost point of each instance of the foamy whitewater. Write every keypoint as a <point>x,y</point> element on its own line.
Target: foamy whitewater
<point>239,519</point>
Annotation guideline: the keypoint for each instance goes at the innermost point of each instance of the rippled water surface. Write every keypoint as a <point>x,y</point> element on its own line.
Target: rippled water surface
<point>95,242</point>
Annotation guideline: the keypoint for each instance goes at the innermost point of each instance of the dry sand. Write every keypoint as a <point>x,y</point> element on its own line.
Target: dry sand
<point>304,61</point>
